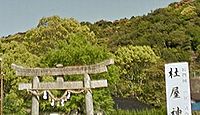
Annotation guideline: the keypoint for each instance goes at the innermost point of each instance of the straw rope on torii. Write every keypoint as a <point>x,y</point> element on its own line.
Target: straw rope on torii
<point>37,93</point>
<point>38,88</point>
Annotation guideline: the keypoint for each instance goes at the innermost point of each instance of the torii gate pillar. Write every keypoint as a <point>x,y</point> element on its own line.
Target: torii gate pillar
<point>88,96</point>
<point>35,99</point>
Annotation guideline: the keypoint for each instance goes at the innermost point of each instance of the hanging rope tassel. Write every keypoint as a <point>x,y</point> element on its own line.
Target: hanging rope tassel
<point>45,96</point>
<point>62,102</point>
<point>52,103</point>
<point>68,95</point>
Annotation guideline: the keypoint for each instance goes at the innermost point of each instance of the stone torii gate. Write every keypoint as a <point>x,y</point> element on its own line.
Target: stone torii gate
<point>60,84</point>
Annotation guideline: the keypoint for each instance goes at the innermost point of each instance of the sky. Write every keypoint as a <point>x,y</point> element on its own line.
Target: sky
<point>22,15</point>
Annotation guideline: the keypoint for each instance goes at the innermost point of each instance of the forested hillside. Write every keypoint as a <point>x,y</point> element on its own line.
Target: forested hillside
<point>140,47</point>
<point>172,32</point>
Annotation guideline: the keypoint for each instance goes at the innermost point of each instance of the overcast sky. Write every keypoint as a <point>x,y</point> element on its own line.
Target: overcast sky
<point>22,15</point>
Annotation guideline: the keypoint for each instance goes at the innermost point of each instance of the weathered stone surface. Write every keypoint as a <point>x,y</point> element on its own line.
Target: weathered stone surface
<point>63,85</point>
<point>88,96</point>
<point>35,102</point>
<point>70,70</point>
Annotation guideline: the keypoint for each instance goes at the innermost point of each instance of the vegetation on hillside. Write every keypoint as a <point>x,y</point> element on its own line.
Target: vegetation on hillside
<point>140,46</point>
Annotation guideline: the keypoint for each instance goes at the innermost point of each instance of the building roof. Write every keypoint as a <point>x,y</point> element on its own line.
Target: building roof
<point>129,104</point>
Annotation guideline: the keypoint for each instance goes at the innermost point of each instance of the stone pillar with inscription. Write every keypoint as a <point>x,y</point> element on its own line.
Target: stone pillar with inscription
<point>178,88</point>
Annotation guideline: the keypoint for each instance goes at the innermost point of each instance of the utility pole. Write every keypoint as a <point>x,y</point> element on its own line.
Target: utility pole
<point>1,77</point>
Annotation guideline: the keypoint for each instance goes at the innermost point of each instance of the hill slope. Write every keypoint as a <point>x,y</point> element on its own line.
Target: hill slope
<point>173,32</point>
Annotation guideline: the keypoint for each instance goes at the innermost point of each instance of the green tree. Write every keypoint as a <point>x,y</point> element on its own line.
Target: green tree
<point>15,52</point>
<point>135,63</point>
<point>53,30</point>
<point>78,52</point>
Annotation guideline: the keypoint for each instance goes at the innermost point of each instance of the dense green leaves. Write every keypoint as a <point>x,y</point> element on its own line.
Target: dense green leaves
<point>78,52</point>
<point>139,73</point>
<point>53,30</point>
<point>15,52</point>
<point>135,59</point>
